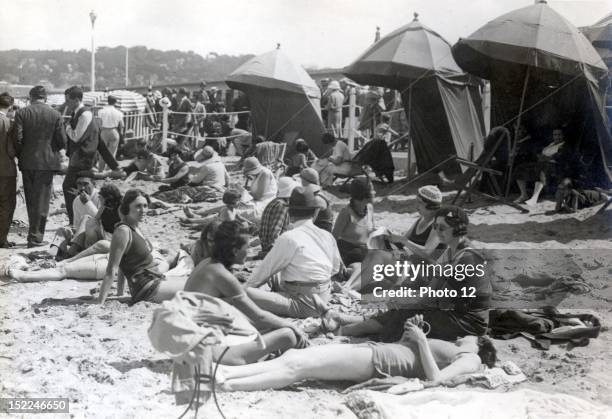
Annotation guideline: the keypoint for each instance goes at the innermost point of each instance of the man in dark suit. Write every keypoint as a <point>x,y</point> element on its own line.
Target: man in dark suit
<point>40,137</point>
<point>8,171</point>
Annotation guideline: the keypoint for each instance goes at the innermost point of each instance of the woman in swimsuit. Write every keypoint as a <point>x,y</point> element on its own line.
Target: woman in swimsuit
<point>420,242</point>
<point>355,222</point>
<point>133,253</point>
<point>414,356</point>
<point>213,277</point>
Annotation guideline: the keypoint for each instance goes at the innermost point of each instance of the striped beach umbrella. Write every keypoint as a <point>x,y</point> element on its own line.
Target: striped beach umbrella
<point>128,101</point>
<point>55,100</point>
<point>94,98</point>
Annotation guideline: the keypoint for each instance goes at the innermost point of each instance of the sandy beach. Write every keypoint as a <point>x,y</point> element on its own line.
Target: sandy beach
<point>53,345</point>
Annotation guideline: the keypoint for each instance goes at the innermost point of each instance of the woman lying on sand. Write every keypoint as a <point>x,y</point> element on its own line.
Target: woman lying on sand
<point>213,277</point>
<point>414,356</point>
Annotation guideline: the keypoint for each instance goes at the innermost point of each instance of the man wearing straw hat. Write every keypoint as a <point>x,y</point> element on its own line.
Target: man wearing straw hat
<point>306,257</point>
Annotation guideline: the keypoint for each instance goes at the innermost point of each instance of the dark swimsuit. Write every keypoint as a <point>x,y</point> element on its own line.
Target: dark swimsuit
<point>139,268</point>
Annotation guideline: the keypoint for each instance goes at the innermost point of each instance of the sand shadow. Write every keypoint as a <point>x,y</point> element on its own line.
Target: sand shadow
<point>595,228</point>
<point>161,366</point>
<point>75,301</point>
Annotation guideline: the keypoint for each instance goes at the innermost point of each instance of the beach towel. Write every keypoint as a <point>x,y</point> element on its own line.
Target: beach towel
<point>506,374</point>
<point>174,333</point>
<point>452,404</point>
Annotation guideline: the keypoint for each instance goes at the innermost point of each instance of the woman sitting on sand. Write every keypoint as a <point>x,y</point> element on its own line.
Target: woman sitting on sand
<point>213,277</point>
<point>143,267</point>
<point>94,233</point>
<point>355,222</point>
<point>450,317</point>
<point>133,253</point>
<point>420,241</point>
<point>414,356</point>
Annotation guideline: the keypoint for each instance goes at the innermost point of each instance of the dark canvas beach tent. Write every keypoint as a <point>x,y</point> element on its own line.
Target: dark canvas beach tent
<point>544,73</point>
<point>442,103</point>
<point>284,100</point>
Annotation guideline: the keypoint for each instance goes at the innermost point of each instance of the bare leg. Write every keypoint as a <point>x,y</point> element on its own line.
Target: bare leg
<point>522,185</point>
<point>325,362</point>
<point>361,328</point>
<point>102,246</point>
<point>87,268</point>
<point>537,189</point>
<point>280,339</point>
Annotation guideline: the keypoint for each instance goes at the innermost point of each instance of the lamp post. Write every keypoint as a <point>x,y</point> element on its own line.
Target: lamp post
<point>92,17</point>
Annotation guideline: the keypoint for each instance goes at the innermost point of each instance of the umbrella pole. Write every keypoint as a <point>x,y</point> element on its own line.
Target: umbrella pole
<point>516,132</point>
<point>408,174</point>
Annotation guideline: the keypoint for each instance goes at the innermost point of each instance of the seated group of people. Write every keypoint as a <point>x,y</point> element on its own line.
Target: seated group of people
<point>302,263</point>
<point>557,163</point>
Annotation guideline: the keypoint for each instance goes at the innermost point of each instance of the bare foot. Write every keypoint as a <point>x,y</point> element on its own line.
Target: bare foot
<point>520,199</point>
<point>188,212</point>
<point>532,202</point>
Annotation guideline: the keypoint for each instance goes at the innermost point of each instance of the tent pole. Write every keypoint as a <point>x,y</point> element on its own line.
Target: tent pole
<point>516,133</point>
<point>408,174</point>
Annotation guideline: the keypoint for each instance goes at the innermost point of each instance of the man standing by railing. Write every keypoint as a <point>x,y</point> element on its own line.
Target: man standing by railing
<point>112,129</point>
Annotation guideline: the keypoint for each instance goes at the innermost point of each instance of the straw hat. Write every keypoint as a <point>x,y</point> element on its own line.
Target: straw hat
<point>334,85</point>
<point>204,154</point>
<point>286,185</point>
<point>251,166</point>
<point>310,175</point>
<point>430,193</point>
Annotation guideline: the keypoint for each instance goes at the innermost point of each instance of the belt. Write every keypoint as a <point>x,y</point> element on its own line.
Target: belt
<point>117,128</point>
<point>318,286</point>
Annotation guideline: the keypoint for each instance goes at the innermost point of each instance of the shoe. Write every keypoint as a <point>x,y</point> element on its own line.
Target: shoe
<point>7,245</point>
<point>37,244</point>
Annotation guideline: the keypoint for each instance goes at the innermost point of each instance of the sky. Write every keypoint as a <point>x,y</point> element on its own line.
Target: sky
<point>315,33</point>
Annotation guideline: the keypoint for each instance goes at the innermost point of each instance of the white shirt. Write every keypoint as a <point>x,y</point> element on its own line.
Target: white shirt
<point>341,151</point>
<point>81,210</point>
<point>111,117</point>
<point>305,254</point>
<point>76,134</point>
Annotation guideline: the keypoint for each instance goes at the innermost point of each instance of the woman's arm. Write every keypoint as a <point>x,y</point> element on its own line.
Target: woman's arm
<point>341,223</point>
<point>228,285</point>
<point>465,364</point>
<point>182,172</point>
<point>119,243</point>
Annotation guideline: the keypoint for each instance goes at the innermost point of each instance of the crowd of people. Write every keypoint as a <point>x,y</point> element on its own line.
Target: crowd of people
<point>307,252</point>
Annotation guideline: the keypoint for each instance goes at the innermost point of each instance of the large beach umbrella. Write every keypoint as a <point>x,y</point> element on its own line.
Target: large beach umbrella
<point>441,102</point>
<point>128,101</point>
<point>535,36</point>
<point>411,52</point>
<point>600,33</point>
<point>285,100</point>
<point>537,43</point>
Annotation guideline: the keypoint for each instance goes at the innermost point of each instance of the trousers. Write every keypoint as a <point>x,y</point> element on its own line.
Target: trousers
<point>68,187</point>
<point>37,187</point>
<point>8,194</point>
<point>110,137</point>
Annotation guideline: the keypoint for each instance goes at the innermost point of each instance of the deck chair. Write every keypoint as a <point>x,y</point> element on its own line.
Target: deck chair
<point>469,181</point>
<point>272,156</point>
